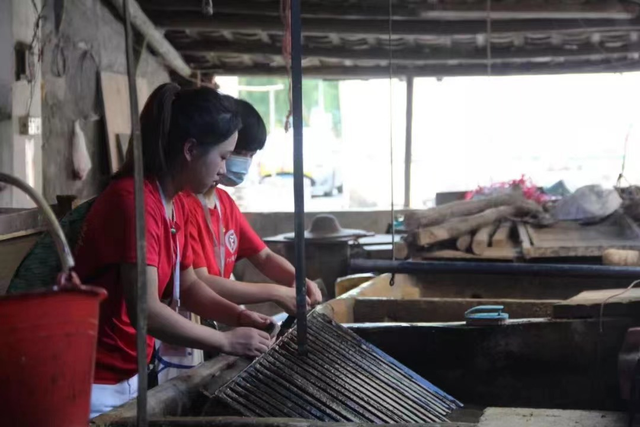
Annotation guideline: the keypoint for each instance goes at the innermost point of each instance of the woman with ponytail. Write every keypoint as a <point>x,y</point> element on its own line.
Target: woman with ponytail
<point>187,134</point>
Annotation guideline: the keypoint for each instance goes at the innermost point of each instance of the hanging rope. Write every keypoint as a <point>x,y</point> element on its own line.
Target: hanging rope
<point>622,177</point>
<point>393,210</point>
<point>285,17</point>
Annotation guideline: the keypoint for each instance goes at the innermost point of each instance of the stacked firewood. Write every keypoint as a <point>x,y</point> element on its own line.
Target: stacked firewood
<point>470,226</point>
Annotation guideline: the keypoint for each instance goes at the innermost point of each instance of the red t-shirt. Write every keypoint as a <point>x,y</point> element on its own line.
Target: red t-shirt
<point>108,239</point>
<point>240,240</point>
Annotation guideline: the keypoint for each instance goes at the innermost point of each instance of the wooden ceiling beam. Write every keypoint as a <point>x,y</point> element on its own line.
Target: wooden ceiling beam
<point>442,10</point>
<point>434,57</point>
<point>193,21</point>
<point>435,71</point>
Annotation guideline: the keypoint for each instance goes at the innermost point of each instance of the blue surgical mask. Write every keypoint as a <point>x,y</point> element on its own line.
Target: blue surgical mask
<point>237,169</point>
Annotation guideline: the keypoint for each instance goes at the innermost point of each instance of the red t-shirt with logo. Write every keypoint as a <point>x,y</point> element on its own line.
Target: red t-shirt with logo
<point>239,239</point>
<point>108,239</point>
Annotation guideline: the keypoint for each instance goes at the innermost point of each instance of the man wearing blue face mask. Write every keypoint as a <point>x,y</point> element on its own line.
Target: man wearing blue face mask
<point>221,235</point>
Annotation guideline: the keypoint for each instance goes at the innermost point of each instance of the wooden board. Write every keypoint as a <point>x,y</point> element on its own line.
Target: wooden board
<point>432,310</point>
<point>12,252</point>
<point>570,239</point>
<point>588,304</point>
<point>489,254</point>
<point>529,417</point>
<point>115,98</point>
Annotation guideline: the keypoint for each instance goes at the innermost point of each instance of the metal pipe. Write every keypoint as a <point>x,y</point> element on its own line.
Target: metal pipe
<point>64,252</point>
<point>408,143</point>
<point>298,174</point>
<point>155,38</point>
<point>141,239</point>
<point>460,267</point>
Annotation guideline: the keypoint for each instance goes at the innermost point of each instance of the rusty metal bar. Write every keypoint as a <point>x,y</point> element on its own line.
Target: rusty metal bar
<point>408,143</point>
<point>141,237</point>
<point>298,174</point>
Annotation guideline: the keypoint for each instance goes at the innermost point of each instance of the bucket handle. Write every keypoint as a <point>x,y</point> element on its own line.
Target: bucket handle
<point>64,252</point>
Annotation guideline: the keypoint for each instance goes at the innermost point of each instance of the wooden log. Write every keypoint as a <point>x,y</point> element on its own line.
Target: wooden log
<point>482,238</point>
<point>502,236</point>
<point>464,242</point>
<point>155,38</point>
<point>459,226</point>
<point>440,214</point>
<point>621,257</point>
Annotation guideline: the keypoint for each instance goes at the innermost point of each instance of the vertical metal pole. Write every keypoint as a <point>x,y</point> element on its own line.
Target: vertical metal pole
<point>141,254</point>
<point>272,109</point>
<point>408,142</point>
<point>298,174</point>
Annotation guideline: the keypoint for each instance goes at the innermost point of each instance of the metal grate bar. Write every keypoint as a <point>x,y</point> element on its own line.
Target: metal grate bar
<point>341,378</point>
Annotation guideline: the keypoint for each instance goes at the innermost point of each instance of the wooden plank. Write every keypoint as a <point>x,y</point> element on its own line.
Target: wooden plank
<point>413,56</point>
<point>529,417</point>
<point>500,254</point>
<point>621,257</point>
<point>454,11</point>
<point>115,98</point>
<point>588,304</point>
<point>525,239</point>
<point>502,236</point>
<point>430,310</point>
<point>176,396</point>
<point>570,239</point>
<point>376,71</point>
<point>12,252</point>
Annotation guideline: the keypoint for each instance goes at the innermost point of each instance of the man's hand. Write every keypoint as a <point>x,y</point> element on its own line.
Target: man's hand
<point>286,299</point>
<point>246,342</point>
<point>313,293</point>
<point>252,319</point>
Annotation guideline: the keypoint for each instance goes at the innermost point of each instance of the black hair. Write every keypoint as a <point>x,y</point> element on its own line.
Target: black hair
<point>171,116</point>
<point>253,134</point>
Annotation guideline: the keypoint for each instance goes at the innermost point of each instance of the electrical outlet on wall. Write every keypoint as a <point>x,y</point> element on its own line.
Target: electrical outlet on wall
<point>30,125</point>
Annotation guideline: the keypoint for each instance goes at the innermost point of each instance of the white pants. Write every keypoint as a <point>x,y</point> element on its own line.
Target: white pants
<point>105,397</point>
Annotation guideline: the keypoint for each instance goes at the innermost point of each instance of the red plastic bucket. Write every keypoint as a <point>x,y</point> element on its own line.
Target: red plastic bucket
<point>47,356</point>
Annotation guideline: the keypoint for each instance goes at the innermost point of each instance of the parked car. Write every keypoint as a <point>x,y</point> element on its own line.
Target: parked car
<point>322,160</point>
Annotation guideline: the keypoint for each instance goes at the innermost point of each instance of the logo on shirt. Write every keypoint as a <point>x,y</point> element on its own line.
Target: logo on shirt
<point>231,240</point>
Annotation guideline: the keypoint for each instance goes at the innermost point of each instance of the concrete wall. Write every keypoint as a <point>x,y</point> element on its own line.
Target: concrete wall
<point>6,82</point>
<point>90,38</point>
<point>20,155</point>
<point>274,223</point>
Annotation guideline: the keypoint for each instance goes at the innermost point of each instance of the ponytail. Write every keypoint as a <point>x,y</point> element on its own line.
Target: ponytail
<point>171,116</point>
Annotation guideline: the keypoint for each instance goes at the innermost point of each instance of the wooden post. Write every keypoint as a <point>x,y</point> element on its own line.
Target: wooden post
<point>408,137</point>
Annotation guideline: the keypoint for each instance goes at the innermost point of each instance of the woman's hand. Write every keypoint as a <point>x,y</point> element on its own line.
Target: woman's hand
<point>252,319</point>
<point>246,342</point>
<point>313,293</point>
<point>286,299</point>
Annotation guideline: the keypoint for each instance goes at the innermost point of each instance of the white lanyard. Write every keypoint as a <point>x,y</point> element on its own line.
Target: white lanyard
<point>218,241</point>
<point>175,302</point>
